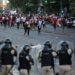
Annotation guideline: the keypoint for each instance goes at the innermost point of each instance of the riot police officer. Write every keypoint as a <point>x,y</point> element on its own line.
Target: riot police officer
<point>8,53</point>
<point>25,61</point>
<point>64,55</point>
<point>46,57</point>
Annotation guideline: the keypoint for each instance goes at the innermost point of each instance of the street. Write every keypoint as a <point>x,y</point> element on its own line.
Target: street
<point>18,38</point>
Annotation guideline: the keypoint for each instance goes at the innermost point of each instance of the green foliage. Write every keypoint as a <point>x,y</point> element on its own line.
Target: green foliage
<point>45,1</point>
<point>32,5</point>
<point>25,5</point>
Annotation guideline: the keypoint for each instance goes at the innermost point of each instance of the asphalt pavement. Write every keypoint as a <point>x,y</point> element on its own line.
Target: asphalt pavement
<point>48,33</point>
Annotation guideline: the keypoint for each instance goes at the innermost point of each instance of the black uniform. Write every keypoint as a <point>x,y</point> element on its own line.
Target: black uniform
<point>24,63</point>
<point>47,58</point>
<point>64,57</point>
<point>7,56</point>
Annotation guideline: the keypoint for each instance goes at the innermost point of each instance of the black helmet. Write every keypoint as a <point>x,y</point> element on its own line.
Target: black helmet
<point>47,44</point>
<point>7,41</point>
<point>64,44</point>
<point>26,48</point>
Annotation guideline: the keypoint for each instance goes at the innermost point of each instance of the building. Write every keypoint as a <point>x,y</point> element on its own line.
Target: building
<point>3,4</point>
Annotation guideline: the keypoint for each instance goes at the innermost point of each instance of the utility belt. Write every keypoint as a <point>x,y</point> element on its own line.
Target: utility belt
<point>51,67</point>
<point>64,64</point>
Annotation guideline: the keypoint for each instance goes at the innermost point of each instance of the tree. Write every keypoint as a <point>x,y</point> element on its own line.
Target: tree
<point>25,5</point>
<point>48,5</point>
<point>72,7</point>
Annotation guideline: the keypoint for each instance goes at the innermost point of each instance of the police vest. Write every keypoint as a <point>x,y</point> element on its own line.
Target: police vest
<point>23,62</point>
<point>47,58</point>
<point>6,56</point>
<point>64,57</point>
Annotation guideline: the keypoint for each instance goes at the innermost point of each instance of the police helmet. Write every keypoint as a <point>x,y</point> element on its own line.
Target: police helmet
<point>7,41</point>
<point>48,44</point>
<point>26,48</point>
<point>64,44</point>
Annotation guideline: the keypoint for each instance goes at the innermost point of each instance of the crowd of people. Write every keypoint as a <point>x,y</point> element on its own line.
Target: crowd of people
<point>33,21</point>
<point>9,55</point>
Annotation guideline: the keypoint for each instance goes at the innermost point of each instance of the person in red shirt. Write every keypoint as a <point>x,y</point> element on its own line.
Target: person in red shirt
<point>54,21</point>
<point>48,19</point>
<point>10,20</point>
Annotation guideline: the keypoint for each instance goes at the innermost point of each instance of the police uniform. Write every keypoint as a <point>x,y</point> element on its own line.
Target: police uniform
<point>65,62</point>
<point>25,61</point>
<point>46,58</point>
<point>7,53</point>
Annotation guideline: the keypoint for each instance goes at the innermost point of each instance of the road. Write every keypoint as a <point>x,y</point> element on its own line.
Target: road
<point>18,38</point>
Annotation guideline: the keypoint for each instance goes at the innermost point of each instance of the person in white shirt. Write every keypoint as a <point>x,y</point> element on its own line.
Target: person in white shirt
<point>18,19</point>
<point>39,25</point>
<point>23,19</point>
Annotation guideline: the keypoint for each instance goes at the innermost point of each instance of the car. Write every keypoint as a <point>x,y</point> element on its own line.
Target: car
<point>71,22</point>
